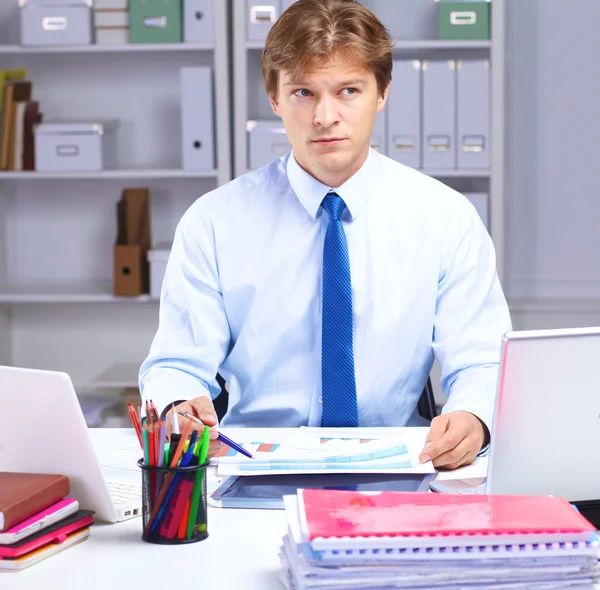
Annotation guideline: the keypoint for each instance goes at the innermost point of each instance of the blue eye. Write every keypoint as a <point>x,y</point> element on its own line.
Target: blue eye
<point>350,90</point>
<point>303,92</point>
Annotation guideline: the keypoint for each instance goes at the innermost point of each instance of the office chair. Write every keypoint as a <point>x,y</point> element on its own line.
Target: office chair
<point>426,406</point>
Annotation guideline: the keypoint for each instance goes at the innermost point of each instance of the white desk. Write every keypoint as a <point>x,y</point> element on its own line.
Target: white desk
<point>241,551</point>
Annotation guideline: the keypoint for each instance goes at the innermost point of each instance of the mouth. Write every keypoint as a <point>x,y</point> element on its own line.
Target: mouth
<point>329,141</point>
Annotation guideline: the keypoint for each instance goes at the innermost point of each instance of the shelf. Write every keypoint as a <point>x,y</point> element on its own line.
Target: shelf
<point>109,174</point>
<point>116,48</point>
<point>73,294</point>
<point>117,376</point>
<point>457,173</point>
<point>408,45</point>
<point>554,305</point>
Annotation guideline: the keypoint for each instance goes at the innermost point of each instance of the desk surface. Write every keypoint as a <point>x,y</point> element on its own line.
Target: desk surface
<point>240,552</point>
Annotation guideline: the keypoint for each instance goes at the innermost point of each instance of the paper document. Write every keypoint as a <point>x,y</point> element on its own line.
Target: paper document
<point>330,451</point>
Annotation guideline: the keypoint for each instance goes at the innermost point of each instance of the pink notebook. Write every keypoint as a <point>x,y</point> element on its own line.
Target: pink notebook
<point>56,534</point>
<point>334,514</point>
<point>39,521</point>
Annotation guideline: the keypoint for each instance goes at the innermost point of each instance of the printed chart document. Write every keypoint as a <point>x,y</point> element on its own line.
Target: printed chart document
<point>318,450</point>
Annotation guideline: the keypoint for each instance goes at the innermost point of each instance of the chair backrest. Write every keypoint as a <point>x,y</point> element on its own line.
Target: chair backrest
<point>426,405</point>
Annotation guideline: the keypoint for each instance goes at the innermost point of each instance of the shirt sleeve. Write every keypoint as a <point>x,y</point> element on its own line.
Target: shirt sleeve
<point>471,317</point>
<point>193,332</point>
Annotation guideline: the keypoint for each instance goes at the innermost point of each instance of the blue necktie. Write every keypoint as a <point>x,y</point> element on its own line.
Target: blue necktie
<point>337,361</point>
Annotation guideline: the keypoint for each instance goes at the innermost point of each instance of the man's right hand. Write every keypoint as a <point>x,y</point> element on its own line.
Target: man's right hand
<point>201,407</point>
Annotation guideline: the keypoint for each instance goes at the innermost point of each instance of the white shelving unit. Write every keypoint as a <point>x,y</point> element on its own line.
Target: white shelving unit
<point>117,174</point>
<point>57,230</point>
<point>113,48</point>
<point>414,33</point>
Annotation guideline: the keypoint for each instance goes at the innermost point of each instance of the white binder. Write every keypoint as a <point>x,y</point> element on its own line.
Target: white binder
<point>439,120</point>
<point>473,91</point>
<point>404,113</point>
<point>260,17</point>
<point>197,118</point>
<point>198,21</point>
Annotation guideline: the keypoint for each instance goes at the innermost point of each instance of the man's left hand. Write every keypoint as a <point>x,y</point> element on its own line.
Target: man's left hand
<point>454,440</point>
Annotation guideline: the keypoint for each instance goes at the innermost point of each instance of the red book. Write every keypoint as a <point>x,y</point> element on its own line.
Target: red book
<point>335,514</point>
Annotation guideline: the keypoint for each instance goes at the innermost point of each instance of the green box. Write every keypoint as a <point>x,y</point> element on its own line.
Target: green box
<point>463,20</point>
<point>155,21</point>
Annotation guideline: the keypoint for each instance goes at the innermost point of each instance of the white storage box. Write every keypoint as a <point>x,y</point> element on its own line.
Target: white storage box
<point>157,258</point>
<point>76,146</point>
<point>56,22</point>
<point>267,141</point>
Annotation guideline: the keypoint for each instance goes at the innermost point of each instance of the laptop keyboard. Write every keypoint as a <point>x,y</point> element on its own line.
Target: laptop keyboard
<point>122,492</point>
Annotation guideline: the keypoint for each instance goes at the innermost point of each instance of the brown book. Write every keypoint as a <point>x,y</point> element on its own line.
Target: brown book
<point>14,91</point>
<point>24,494</point>
<point>32,118</point>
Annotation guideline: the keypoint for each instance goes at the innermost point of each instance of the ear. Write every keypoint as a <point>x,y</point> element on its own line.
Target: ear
<point>275,106</point>
<point>381,100</point>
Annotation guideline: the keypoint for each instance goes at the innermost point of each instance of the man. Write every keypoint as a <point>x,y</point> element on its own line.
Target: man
<point>321,285</point>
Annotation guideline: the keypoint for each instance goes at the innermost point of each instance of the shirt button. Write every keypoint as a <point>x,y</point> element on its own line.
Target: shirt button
<point>320,399</point>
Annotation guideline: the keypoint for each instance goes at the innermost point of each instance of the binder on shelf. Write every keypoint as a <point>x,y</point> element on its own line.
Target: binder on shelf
<point>473,111</point>
<point>404,113</point>
<point>197,118</point>
<point>198,21</point>
<point>131,273</point>
<point>260,17</point>
<point>155,21</point>
<point>439,120</point>
<point>378,136</point>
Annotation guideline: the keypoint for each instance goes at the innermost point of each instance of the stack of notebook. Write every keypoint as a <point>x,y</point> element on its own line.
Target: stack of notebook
<point>37,520</point>
<point>379,540</point>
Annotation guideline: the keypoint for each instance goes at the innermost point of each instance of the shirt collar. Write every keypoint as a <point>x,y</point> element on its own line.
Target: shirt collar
<point>355,191</point>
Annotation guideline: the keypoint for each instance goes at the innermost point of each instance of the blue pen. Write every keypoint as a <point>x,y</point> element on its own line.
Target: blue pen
<point>187,458</point>
<point>221,437</point>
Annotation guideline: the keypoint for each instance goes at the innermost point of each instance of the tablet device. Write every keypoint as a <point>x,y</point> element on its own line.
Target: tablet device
<point>467,485</point>
<point>267,491</point>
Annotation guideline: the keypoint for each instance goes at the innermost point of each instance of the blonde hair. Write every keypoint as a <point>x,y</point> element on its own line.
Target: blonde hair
<point>311,32</point>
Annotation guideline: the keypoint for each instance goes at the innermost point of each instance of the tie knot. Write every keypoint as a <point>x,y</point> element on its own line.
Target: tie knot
<point>334,205</point>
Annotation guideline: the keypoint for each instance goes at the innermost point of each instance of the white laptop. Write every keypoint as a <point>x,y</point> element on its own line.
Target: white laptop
<point>546,431</point>
<point>44,431</point>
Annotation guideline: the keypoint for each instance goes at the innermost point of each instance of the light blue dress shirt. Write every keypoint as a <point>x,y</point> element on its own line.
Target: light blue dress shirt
<point>242,296</point>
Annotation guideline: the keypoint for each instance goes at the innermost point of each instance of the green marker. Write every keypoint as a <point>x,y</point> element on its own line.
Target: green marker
<point>202,453</point>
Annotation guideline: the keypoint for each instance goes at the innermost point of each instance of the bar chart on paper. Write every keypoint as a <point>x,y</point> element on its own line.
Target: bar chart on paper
<point>317,454</point>
<point>252,447</point>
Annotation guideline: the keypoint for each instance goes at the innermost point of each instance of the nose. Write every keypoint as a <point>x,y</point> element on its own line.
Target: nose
<point>326,113</point>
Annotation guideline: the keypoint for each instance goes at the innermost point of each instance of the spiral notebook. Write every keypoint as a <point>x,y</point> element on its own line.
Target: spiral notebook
<point>340,540</point>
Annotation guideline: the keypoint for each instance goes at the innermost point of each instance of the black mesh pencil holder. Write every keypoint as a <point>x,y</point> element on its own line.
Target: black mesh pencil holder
<point>174,507</point>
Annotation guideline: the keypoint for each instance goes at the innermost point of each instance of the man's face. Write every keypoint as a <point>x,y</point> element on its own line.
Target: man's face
<point>328,114</point>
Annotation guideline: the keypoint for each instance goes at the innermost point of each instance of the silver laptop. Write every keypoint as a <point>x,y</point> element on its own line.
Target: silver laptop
<point>546,430</point>
<point>44,431</point>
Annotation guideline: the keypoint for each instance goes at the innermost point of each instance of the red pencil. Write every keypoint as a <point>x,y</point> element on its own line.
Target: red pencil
<point>136,423</point>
